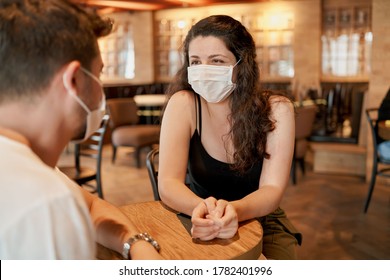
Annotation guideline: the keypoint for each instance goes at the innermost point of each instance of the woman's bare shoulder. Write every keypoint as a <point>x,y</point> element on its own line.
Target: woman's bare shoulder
<point>182,97</point>
<point>281,104</point>
<point>179,113</point>
<point>279,99</point>
<point>182,105</point>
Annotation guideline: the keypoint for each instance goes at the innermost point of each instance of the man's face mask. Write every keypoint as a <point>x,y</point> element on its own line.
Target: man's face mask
<point>94,118</point>
<point>213,83</point>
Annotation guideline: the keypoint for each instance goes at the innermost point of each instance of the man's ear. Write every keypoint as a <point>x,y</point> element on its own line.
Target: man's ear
<point>69,76</point>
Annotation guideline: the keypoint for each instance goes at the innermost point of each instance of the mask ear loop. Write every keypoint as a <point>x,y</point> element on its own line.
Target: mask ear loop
<point>231,80</point>
<point>91,76</point>
<point>103,102</point>
<point>74,95</point>
<point>237,63</point>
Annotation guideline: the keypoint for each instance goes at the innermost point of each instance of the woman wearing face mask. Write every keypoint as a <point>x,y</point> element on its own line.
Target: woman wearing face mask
<point>236,140</point>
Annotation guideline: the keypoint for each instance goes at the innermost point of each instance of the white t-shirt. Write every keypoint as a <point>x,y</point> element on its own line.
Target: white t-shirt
<point>42,213</point>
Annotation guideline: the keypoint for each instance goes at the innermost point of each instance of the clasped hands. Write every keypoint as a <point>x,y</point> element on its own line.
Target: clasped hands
<point>214,218</point>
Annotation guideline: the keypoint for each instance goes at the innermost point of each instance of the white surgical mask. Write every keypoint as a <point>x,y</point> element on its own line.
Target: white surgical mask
<point>213,83</point>
<point>94,118</point>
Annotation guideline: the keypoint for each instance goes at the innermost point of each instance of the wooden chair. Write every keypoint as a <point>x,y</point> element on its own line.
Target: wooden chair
<point>126,130</point>
<point>304,121</point>
<point>380,166</point>
<point>152,167</point>
<point>91,148</point>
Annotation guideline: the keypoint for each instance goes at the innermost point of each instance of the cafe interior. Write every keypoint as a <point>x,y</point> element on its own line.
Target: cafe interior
<point>332,56</point>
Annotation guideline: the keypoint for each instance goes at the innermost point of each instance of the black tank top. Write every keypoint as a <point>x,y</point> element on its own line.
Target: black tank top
<point>211,177</point>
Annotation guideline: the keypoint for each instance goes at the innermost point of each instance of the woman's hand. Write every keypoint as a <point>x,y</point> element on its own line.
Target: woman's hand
<point>214,218</point>
<point>203,227</point>
<point>225,216</point>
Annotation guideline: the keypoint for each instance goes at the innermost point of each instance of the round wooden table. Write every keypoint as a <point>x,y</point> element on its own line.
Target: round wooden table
<point>150,106</point>
<point>171,230</point>
<point>150,100</point>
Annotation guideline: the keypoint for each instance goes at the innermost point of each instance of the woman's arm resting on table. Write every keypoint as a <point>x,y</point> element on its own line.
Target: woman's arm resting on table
<point>275,173</point>
<point>178,125</point>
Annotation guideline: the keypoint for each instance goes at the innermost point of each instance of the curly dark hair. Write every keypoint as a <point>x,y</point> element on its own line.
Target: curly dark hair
<point>250,106</point>
<point>37,37</point>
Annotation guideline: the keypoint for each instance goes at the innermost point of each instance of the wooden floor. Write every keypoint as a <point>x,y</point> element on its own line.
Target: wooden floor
<point>327,209</point>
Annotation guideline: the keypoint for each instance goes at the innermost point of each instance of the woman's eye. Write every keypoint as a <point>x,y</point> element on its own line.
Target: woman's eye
<point>218,61</point>
<point>195,62</point>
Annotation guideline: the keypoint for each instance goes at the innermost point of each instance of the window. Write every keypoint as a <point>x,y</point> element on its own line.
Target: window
<point>346,42</point>
<point>117,50</point>
<point>274,35</point>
